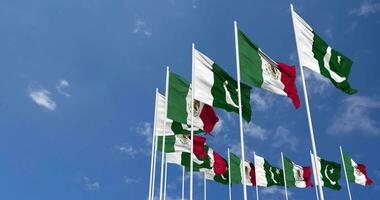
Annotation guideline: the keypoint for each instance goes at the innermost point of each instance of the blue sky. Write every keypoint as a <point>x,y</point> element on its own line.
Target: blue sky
<point>78,78</point>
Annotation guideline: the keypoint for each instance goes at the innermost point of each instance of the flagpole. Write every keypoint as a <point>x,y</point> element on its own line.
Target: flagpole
<point>229,175</point>
<point>314,175</point>
<point>166,176</point>
<point>183,182</point>
<point>314,148</point>
<point>154,166</point>
<point>257,187</point>
<point>204,186</point>
<point>151,184</point>
<point>163,138</point>
<point>192,121</point>
<point>240,109</point>
<point>345,173</point>
<point>283,170</point>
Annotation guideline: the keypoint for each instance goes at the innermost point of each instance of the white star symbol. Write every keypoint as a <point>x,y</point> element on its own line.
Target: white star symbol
<point>331,170</point>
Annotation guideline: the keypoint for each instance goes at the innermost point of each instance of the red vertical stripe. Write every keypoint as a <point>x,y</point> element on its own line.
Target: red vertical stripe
<point>199,147</point>
<point>220,165</point>
<point>209,118</point>
<point>307,176</point>
<point>363,170</point>
<point>288,77</point>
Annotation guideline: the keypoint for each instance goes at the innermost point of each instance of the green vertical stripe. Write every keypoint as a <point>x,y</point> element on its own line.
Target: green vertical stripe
<point>349,168</point>
<point>341,65</point>
<point>250,62</point>
<point>169,143</point>
<point>178,91</point>
<point>235,168</point>
<point>177,128</point>
<point>289,174</point>
<point>223,80</point>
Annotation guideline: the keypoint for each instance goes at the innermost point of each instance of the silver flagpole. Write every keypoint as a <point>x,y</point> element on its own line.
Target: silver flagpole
<point>151,185</point>
<point>154,165</point>
<point>257,187</point>
<point>314,175</point>
<point>192,122</point>
<point>345,173</point>
<point>163,138</point>
<point>240,109</point>
<point>229,175</point>
<point>166,176</point>
<point>183,182</point>
<point>283,170</point>
<point>204,186</point>
<point>314,148</point>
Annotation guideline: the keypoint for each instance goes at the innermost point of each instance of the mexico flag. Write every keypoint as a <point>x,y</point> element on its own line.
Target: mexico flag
<point>266,174</point>
<point>257,69</point>
<point>172,127</point>
<point>315,54</point>
<point>179,105</point>
<point>215,87</point>
<point>182,143</point>
<point>236,165</point>
<point>356,173</point>
<point>296,176</point>
<point>218,172</point>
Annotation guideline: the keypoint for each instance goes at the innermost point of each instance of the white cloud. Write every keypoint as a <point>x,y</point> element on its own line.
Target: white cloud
<point>194,4</point>
<point>219,126</point>
<point>283,137</point>
<point>41,97</point>
<point>145,129</point>
<point>129,180</point>
<point>62,84</point>
<point>127,149</point>
<point>366,8</point>
<point>255,131</point>
<point>329,33</point>
<point>316,83</point>
<point>274,191</point>
<point>261,100</point>
<point>141,27</point>
<point>91,185</point>
<point>356,115</point>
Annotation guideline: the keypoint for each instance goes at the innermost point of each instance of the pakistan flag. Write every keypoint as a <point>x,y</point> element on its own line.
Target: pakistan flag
<point>215,87</point>
<point>317,55</point>
<point>329,173</point>
<point>266,174</point>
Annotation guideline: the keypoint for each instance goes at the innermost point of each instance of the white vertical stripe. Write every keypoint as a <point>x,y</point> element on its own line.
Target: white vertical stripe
<point>161,117</point>
<point>359,176</point>
<point>305,38</point>
<point>271,82</point>
<point>204,79</point>
<point>261,179</point>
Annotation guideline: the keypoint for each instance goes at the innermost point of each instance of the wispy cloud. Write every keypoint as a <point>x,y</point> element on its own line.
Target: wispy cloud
<point>282,137</point>
<point>256,131</point>
<point>355,114</point>
<point>274,191</point>
<point>42,98</point>
<point>127,149</point>
<point>366,8</point>
<point>130,180</point>
<point>145,129</point>
<point>194,4</point>
<point>62,85</point>
<point>142,28</point>
<point>261,100</point>
<point>91,185</point>
<point>219,126</point>
<point>316,83</point>
<point>329,33</point>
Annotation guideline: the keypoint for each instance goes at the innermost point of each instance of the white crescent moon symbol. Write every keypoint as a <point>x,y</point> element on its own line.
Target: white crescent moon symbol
<point>228,95</point>
<point>327,176</point>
